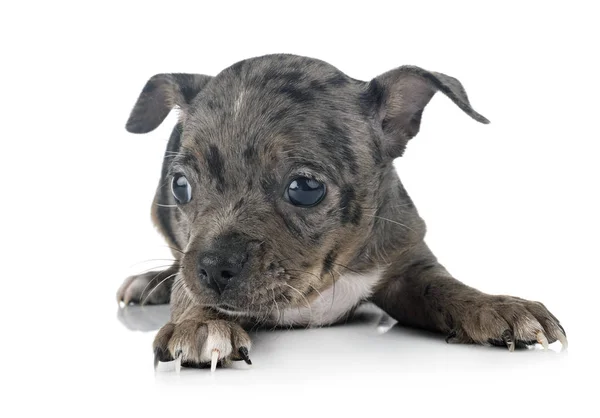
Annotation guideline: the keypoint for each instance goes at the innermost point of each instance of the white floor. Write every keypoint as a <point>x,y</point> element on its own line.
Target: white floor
<point>99,363</point>
<point>368,364</point>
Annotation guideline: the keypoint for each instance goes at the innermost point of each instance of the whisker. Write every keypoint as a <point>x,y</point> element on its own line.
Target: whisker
<point>157,286</point>
<point>389,220</point>
<point>278,311</point>
<point>152,259</point>
<point>178,288</point>
<point>303,271</point>
<point>164,266</point>
<point>257,322</point>
<point>175,249</point>
<point>148,284</point>
<point>285,297</point>
<point>333,290</point>
<point>262,319</point>
<point>316,290</point>
<point>397,206</point>
<point>165,206</point>
<point>268,314</point>
<point>305,300</point>
<point>346,267</point>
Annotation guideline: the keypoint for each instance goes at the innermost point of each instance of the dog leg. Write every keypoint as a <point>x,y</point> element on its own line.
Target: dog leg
<point>153,288</point>
<point>419,292</point>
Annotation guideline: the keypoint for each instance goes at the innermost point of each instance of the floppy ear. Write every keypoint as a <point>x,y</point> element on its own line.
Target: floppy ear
<point>401,95</point>
<point>160,94</point>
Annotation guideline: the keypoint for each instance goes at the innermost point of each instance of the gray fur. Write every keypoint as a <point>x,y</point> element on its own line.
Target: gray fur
<point>242,135</point>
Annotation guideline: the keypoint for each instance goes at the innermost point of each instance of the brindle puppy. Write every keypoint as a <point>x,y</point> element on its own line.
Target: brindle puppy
<point>281,205</point>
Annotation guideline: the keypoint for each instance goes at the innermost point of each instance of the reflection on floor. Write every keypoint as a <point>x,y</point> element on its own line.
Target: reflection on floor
<point>369,342</point>
<point>152,317</point>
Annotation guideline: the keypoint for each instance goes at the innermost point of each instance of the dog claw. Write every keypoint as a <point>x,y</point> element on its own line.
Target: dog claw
<point>450,336</point>
<point>159,355</point>
<point>244,355</point>
<point>156,358</point>
<point>509,340</point>
<point>214,360</point>
<point>563,341</point>
<point>541,338</point>
<point>178,363</point>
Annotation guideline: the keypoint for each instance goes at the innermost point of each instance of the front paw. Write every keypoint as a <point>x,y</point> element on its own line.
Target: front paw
<point>505,321</point>
<point>202,343</point>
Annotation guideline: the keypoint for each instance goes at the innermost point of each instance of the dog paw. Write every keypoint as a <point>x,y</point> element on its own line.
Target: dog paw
<point>152,288</point>
<point>506,321</point>
<point>200,344</point>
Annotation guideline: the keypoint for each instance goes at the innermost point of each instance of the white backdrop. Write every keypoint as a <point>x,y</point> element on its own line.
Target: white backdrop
<point>511,207</point>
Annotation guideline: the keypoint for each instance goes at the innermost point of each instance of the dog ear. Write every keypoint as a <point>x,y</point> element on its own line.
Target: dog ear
<point>160,94</point>
<point>400,96</point>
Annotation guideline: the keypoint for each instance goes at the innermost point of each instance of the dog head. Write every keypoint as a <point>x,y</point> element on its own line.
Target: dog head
<point>280,171</point>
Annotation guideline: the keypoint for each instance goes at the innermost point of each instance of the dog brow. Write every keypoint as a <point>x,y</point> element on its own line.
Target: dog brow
<point>184,161</point>
<point>317,167</point>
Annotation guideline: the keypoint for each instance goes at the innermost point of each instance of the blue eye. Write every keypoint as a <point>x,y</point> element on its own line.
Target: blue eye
<point>181,189</point>
<point>304,191</point>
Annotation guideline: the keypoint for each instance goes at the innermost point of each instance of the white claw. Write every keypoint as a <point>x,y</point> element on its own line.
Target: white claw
<point>178,363</point>
<point>214,360</point>
<point>563,341</point>
<point>541,338</point>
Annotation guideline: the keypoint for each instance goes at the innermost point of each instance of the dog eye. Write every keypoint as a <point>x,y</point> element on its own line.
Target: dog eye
<point>304,191</point>
<point>182,191</point>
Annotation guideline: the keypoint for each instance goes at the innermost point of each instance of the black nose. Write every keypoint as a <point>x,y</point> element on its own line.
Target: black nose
<point>217,268</point>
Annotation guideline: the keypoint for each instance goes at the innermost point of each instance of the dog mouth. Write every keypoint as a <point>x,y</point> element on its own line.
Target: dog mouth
<point>262,305</point>
<point>260,296</point>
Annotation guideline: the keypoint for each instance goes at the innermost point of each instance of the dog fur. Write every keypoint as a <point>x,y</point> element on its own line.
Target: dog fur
<point>241,136</point>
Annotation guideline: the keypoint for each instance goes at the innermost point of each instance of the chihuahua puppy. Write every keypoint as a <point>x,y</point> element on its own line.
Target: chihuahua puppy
<point>281,205</point>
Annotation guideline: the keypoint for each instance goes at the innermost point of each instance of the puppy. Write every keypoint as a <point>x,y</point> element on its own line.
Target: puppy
<point>281,206</point>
